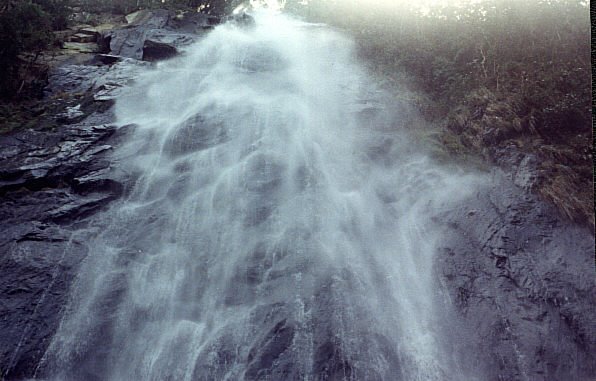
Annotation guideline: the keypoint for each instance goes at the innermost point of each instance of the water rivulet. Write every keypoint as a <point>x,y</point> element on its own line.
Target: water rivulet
<point>280,226</point>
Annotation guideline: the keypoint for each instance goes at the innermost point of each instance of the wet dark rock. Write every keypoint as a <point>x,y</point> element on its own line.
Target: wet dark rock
<point>108,59</point>
<point>93,86</point>
<point>55,179</point>
<point>50,182</point>
<point>522,281</point>
<point>126,42</point>
<point>157,26</point>
<point>37,264</point>
<point>157,51</point>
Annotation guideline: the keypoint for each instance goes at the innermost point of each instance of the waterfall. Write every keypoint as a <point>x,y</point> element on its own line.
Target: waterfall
<point>280,226</point>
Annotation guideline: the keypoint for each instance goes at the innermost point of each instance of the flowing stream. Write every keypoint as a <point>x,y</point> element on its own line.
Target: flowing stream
<point>280,227</point>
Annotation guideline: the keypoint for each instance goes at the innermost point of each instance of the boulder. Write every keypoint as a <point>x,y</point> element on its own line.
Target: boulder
<point>130,42</point>
<point>157,51</point>
<point>126,42</point>
<point>108,59</point>
<point>93,34</point>
<point>158,26</point>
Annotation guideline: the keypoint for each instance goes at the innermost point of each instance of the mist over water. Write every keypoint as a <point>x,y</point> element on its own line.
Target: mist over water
<point>280,227</point>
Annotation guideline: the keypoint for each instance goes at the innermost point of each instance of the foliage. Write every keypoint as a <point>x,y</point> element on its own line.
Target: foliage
<point>26,27</point>
<point>217,7</point>
<point>494,74</point>
<point>57,10</point>
<point>534,52</point>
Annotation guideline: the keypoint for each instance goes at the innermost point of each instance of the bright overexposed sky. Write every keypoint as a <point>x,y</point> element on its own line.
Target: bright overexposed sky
<point>424,5</point>
<point>382,3</point>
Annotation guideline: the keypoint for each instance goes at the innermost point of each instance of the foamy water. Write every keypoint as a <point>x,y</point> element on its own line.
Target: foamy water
<point>280,227</point>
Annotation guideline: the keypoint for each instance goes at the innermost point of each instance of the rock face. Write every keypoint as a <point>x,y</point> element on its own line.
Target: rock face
<point>53,181</point>
<point>522,281</point>
<point>155,34</point>
<point>50,183</point>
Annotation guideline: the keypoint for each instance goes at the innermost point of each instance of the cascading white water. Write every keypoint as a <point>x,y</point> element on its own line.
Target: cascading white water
<point>280,227</point>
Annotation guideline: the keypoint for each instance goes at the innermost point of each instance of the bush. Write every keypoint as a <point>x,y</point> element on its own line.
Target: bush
<point>24,28</point>
<point>58,10</point>
<point>218,7</point>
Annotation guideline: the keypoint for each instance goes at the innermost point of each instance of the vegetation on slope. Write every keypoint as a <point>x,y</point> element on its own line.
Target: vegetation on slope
<point>499,77</point>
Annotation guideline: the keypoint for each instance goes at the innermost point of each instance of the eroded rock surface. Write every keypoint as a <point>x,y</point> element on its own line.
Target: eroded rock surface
<point>51,182</point>
<point>522,281</point>
<point>147,29</point>
<point>54,180</point>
